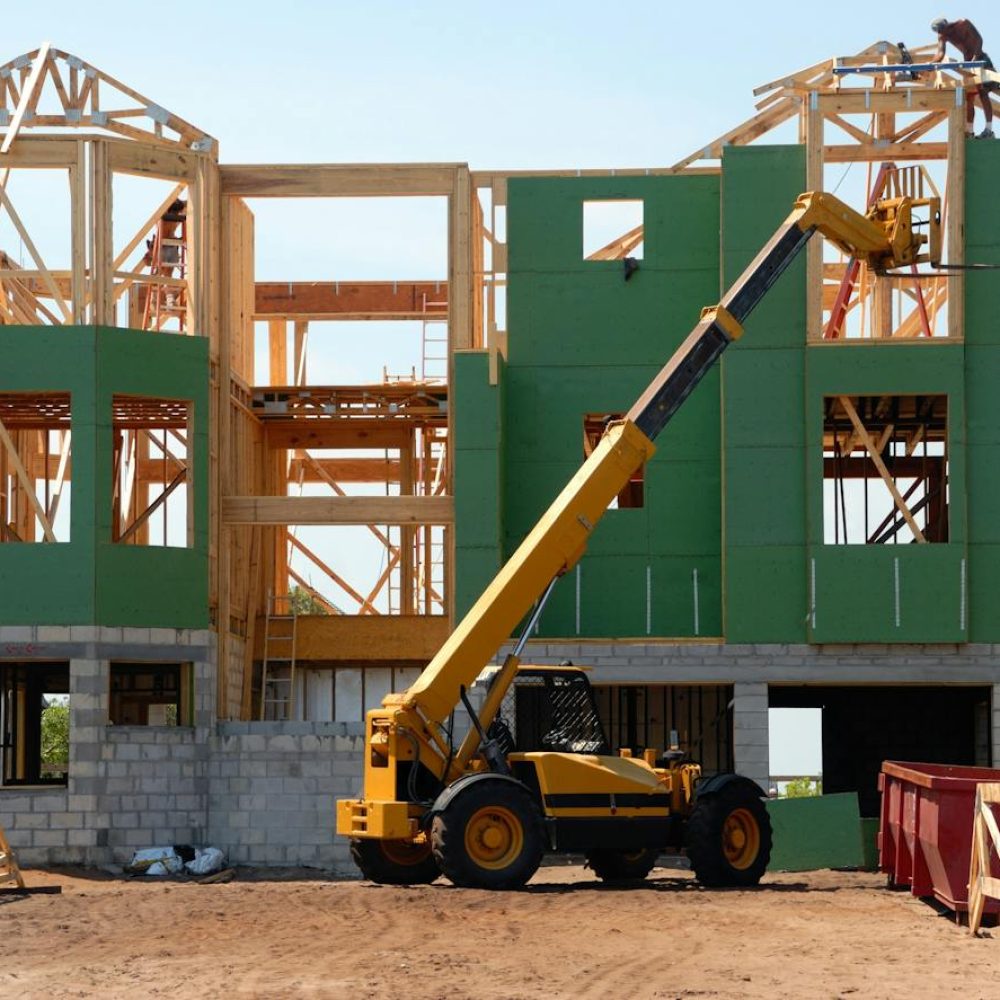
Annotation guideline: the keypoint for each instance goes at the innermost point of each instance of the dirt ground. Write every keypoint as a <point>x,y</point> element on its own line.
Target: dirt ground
<point>821,934</point>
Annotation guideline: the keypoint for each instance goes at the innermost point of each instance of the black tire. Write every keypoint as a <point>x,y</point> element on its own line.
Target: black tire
<point>395,862</point>
<point>622,866</point>
<point>729,837</point>
<point>489,836</point>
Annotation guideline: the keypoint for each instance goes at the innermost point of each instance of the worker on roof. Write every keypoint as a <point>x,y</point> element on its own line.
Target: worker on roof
<point>964,36</point>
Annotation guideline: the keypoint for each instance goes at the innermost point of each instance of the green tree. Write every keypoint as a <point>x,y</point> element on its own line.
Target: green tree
<point>303,603</point>
<point>802,788</point>
<point>55,736</point>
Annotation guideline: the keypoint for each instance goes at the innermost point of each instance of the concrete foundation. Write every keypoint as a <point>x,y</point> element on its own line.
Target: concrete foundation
<point>265,791</point>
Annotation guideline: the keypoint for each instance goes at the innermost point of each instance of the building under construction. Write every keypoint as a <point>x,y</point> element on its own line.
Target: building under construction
<point>817,529</point>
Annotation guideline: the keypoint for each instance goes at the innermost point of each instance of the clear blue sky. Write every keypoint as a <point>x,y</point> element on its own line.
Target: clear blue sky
<point>519,84</point>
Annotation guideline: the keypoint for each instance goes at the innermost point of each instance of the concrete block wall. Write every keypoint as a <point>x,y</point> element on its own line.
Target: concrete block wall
<point>236,656</point>
<point>128,786</point>
<point>750,733</point>
<point>273,788</point>
<point>266,792</point>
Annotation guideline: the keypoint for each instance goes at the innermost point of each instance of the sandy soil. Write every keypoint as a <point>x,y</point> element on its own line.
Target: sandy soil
<point>823,934</point>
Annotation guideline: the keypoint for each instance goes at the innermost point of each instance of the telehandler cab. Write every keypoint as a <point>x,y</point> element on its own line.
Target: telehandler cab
<point>483,812</point>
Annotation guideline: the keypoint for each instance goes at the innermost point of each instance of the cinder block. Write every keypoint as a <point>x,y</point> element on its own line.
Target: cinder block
<point>48,838</point>
<point>49,803</point>
<point>65,820</point>
<point>28,821</point>
<point>14,803</point>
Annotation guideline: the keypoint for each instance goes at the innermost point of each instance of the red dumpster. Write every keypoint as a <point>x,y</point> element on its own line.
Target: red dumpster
<point>925,837</point>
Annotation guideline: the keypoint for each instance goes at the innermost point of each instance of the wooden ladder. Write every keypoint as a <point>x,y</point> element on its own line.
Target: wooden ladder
<point>277,686</point>
<point>9,872</point>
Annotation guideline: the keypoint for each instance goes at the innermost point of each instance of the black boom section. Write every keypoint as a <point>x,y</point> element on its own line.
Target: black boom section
<point>692,360</point>
<point>654,408</point>
<point>754,283</point>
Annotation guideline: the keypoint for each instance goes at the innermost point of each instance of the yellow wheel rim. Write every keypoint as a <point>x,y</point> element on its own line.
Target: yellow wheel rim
<point>405,852</point>
<point>494,837</point>
<point>741,839</point>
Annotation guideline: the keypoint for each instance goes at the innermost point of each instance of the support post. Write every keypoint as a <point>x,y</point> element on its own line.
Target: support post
<point>750,732</point>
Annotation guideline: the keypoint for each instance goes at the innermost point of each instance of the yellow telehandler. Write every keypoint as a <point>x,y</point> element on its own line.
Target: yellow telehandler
<point>484,810</point>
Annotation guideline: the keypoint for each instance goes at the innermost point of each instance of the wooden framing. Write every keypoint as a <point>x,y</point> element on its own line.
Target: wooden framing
<point>985,844</point>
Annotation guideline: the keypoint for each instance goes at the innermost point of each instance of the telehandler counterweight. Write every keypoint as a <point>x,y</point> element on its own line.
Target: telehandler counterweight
<point>484,812</point>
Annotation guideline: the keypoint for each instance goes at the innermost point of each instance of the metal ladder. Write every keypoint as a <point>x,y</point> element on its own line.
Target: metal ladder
<point>277,684</point>
<point>9,872</point>
<point>433,349</point>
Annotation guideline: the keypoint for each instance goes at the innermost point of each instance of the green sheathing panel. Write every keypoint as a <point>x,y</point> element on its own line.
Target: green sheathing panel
<point>91,580</point>
<point>583,340</point>
<point>888,593</point>
<point>766,595</point>
<point>53,584</point>
<point>819,832</point>
<point>152,585</point>
<point>478,421</point>
<point>982,377</point>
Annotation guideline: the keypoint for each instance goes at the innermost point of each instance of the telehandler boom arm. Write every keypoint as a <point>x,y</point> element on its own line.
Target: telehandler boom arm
<point>883,239</point>
<point>484,812</point>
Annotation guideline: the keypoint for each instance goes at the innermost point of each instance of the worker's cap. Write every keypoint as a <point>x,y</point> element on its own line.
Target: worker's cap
<point>939,24</point>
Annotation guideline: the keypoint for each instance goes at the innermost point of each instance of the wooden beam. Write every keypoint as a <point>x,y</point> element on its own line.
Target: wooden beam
<point>323,180</point>
<point>892,151</point>
<point>353,639</point>
<point>344,470</point>
<point>277,336</point>
<point>338,510</point>
<point>336,434</point>
<point>351,300</point>
<point>865,102</point>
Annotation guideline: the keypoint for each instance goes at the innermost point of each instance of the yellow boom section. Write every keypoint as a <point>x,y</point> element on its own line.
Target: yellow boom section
<point>553,546</point>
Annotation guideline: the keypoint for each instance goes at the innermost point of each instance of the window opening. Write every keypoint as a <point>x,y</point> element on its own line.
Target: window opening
<point>885,469</point>
<point>34,723</point>
<point>35,466</point>
<point>150,694</point>
<point>613,230</point>
<point>152,471</point>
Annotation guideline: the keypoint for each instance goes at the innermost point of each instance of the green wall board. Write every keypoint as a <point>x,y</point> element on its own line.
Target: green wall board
<point>890,593</point>
<point>476,457</point>
<point>45,583</point>
<point>766,593</point>
<point>869,843</point>
<point>982,243</point>
<point>763,404</point>
<point>982,376</point>
<point>823,831</point>
<point>583,340</point>
<point>152,585</point>
<point>90,579</point>
<point>984,593</point>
